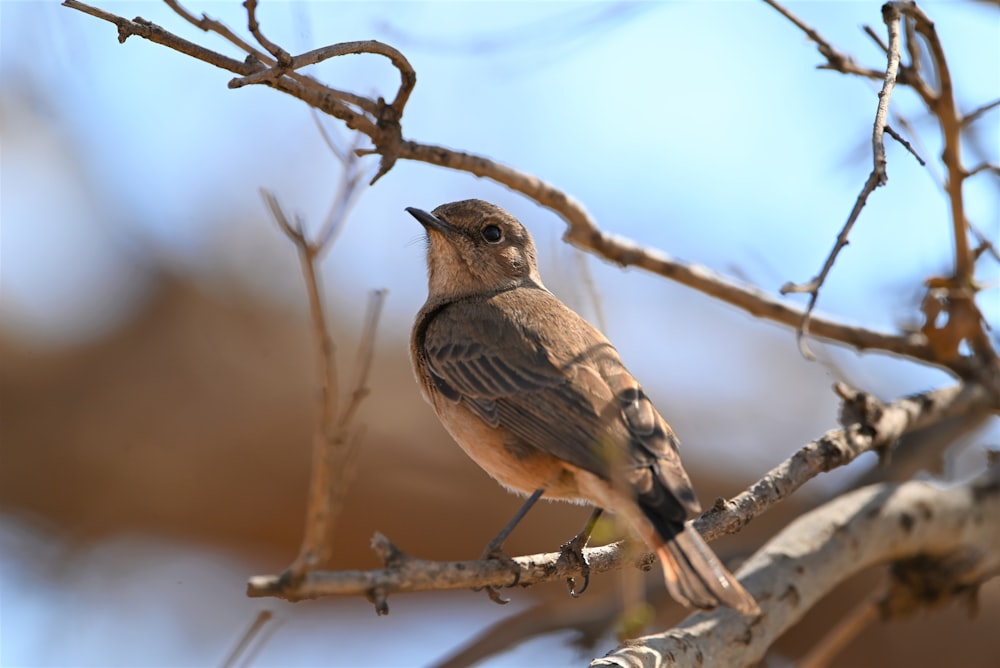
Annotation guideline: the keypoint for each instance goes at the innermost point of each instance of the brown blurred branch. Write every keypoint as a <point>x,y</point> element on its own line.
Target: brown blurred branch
<point>843,633</point>
<point>869,425</point>
<point>954,531</point>
<point>336,437</point>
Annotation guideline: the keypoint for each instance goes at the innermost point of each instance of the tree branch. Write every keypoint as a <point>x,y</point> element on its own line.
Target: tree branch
<point>382,127</point>
<point>336,437</point>
<point>877,178</point>
<point>954,531</point>
<point>868,425</point>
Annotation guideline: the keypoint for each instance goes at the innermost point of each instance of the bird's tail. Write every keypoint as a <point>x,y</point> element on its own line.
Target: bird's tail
<point>696,577</point>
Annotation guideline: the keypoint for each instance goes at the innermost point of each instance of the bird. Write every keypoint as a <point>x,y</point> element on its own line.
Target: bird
<point>541,400</point>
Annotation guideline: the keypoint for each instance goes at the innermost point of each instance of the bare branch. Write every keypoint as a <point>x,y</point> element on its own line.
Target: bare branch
<point>862,617</point>
<point>259,629</point>
<point>877,177</point>
<point>348,190</point>
<point>211,25</point>
<point>283,58</point>
<point>407,75</point>
<point>942,105</point>
<point>895,135</point>
<point>335,440</point>
<point>976,114</point>
<point>364,356</point>
<point>957,529</point>
<point>868,425</point>
<point>582,231</point>
<point>835,60</point>
<point>877,39</point>
<point>316,544</point>
<point>984,167</point>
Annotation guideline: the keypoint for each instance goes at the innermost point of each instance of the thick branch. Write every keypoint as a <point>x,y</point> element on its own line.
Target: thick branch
<point>868,425</point>
<point>954,531</point>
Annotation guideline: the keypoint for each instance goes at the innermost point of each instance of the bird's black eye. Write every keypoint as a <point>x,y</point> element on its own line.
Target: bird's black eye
<point>492,234</point>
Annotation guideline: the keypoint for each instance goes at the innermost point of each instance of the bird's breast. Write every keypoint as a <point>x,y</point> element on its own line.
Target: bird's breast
<point>518,466</point>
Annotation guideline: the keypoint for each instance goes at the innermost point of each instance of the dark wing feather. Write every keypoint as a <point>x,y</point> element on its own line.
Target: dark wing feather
<point>563,390</point>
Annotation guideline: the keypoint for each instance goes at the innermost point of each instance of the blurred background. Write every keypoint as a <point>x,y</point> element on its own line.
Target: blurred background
<point>157,391</point>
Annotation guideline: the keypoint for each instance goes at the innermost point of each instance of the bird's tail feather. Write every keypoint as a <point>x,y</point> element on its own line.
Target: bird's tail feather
<point>695,576</point>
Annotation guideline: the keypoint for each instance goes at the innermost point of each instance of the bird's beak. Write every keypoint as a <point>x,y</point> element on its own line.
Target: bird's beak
<point>430,221</point>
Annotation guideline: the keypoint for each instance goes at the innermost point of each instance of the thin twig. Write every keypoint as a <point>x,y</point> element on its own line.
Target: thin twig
<point>849,627</point>
<point>209,24</point>
<point>364,356</point>
<point>283,58</point>
<point>254,632</point>
<point>835,59</point>
<point>984,167</point>
<point>977,113</point>
<point>877,39</point>
<point>347,195</point>
<point>212,25</point>
<point>878,177</point>
<point>895,135</point>
<point>316,543</point>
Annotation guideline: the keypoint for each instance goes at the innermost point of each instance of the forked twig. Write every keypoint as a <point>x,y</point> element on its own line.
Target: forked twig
<point>878,176</point>
<point>336,438</point>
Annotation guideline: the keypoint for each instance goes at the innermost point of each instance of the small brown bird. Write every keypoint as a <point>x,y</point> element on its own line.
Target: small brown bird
<point>541,400</point>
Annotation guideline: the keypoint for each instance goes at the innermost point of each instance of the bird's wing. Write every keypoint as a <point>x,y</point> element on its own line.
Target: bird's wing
<point>561,389</point>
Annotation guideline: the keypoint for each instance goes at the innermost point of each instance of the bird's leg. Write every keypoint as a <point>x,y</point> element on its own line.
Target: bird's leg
<point>571,553</point>
<point>494,549</point>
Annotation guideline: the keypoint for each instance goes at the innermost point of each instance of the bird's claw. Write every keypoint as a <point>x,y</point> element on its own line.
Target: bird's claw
<point>571,557</point>
<point>497,553</point>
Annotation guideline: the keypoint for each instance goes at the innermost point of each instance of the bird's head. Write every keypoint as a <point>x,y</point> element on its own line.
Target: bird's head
<point>475,247</point>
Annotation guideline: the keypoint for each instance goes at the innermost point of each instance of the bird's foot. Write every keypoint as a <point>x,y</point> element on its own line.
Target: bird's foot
<point>571,557</point>
<point>495,552</point>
